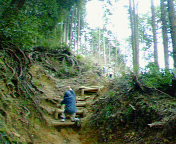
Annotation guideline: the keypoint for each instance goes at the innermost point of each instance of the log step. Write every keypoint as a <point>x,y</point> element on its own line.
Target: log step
<point>83,98</point>
<point>79,104</point>
<point>82,104</point>
<point>59,123</point>
<point>58,112</point>
<point>79,112</point>
<point>94,90</point>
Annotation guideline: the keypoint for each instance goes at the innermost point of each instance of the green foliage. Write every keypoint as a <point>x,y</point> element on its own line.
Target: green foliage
<point>65,70</point>
<point>35,23</point>
<point>129,107</point>
<point>4,138</point>
<point>80,57</point>
<point>156,78</point>
<point>145,30</point>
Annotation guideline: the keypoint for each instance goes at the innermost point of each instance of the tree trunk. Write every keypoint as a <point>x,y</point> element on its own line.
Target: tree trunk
<point>104,50</point>
<point>134,35</point>
<point>79,32</point>
<point>71,28</point>
<point>99,44</point>
<point>163,10</point>
<point>172,20</point>
<point>109,53</point>
<point>67,30</point>
<point>75,31</point>
<point>154,32</point>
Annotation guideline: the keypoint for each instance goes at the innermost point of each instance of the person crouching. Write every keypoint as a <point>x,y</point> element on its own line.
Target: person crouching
<point>68,104</point>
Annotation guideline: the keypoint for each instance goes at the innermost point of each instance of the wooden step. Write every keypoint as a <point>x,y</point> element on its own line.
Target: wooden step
<point>81,112</point>
<point>78,104</point>
<point>81,104</point>
<point>52,122</point>
<point>94,90</point>
<point>68,122</point>
<point>90,89</point>
<point>59,123</point>
<point>83,98</point>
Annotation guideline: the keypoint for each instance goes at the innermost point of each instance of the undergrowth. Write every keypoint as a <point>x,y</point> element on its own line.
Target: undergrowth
<point>20,95</point>
<point>135,110</point>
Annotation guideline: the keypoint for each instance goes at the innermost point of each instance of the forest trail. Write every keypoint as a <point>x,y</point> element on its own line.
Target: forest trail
<point>52,93</point>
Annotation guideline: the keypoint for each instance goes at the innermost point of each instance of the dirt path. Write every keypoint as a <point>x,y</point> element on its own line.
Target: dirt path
<point>50,88</point>
<point>54,136</point>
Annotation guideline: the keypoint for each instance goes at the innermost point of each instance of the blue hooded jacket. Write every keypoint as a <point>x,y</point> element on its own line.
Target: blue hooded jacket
<point>70,102</point>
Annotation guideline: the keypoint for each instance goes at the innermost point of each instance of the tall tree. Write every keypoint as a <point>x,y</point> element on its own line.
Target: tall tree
<point>104,50</point>
<point>154,31</point>
<point>71,26</point>
<point>79,31</point>
<point>99,37</point>
<point>163,10</point>
<point>172,20</point>
<point>134,34</point>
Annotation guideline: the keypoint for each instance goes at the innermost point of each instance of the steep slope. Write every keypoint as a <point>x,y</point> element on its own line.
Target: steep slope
<point>52,90</point>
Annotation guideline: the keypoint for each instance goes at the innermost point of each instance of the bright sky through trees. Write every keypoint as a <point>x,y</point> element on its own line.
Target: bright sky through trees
<point>120,22</point>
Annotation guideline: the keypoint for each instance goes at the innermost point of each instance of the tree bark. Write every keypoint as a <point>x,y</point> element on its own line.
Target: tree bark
<point>99,44</point>
<point>154,32</point>
<point>163,10</point>
<point>172,20</point>
<point>71,27</point>
<point>79,32</point>
<point>104,50</point>
<point>109,53</point>
<point>134,35</point>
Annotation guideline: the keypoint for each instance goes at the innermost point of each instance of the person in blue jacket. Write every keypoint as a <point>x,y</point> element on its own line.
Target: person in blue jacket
<point>69,105</point>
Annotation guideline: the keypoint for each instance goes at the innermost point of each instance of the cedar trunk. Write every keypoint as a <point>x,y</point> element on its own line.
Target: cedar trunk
<point>154,32</point>
<point>165,32</point>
